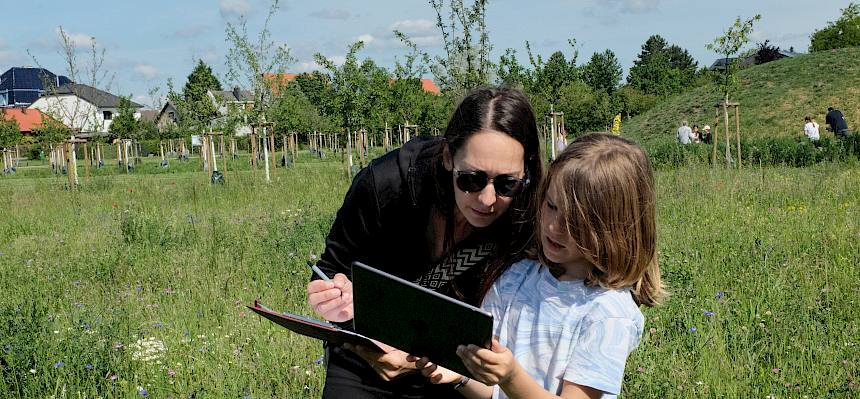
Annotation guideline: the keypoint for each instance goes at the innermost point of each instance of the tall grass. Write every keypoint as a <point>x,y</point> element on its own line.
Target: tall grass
<point>92,280</point>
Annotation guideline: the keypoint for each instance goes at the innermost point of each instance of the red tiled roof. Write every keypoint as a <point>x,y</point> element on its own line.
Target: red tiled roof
<point>429,86</point>
<point>28,118</point>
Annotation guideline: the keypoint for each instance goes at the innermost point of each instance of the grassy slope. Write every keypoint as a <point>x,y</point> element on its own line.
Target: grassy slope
<point>774,98</point>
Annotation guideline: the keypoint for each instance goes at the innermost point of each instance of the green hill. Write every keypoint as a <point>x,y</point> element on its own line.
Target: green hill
<point>774,98</point>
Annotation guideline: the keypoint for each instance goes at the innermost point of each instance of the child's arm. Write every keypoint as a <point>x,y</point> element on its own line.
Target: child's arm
<point>498,366</point>
<point>469,388</point>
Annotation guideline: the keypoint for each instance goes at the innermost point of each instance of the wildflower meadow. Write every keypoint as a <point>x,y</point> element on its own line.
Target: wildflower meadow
<point>136,285</point>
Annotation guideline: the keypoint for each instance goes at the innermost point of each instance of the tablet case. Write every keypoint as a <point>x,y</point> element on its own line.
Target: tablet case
<point>415,319</point>
<point>314,328</point>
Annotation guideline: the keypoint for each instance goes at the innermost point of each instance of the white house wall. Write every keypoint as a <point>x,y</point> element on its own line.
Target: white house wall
<point>87,117</point>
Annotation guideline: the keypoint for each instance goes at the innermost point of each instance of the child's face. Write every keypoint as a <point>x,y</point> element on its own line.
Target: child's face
<point>558,245</point>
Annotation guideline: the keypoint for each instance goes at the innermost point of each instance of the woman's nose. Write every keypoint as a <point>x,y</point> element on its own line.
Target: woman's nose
<point>487,196</point>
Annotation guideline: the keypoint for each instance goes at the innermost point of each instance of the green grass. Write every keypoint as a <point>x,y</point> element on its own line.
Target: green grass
<point>85,274</point>
<point>774,98</point>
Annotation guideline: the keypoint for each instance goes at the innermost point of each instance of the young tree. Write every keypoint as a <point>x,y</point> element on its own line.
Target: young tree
<point>511,73</point>
<point>349,85</point>
<point>124,125</point>
<point>465,63</point>
<point>602,72</point>
<point>251,63</point>
<point>844,32</point>
<point>10,136</point>
<point>77,114</point>
<point>737,36</point>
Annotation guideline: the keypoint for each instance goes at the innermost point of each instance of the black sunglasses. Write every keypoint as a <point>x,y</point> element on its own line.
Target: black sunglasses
<point>473,181</point>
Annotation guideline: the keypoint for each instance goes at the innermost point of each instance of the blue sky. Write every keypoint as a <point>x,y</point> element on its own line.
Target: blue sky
<point>146,43</point>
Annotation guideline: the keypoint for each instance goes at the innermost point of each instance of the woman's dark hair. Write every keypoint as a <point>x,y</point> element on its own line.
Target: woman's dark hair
<point>507,111</point>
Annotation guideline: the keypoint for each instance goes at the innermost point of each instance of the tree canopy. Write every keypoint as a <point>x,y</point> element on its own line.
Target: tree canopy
<point>844,32</point>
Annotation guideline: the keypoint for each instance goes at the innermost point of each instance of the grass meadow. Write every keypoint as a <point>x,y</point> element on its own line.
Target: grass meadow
<point>135,285</point>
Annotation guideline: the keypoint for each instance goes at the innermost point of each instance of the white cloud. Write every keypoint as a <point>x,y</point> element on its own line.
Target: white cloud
<point>336,14</point>
<point>307,66</point>
<point>639,6</point>
<point>414,26</point>
<point>234,7</point>
<point>77,39</point>
<point>366,38</point>
<point>147,71</point>
<point>338,60</point>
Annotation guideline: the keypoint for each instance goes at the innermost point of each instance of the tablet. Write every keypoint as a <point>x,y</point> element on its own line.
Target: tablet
<point>415,319</point>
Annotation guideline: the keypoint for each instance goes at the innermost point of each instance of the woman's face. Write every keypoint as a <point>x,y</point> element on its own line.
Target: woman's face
<point>558,245</point>
<point>496,154</point>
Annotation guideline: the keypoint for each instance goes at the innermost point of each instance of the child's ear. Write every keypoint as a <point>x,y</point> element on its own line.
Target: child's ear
<point>447,159</point>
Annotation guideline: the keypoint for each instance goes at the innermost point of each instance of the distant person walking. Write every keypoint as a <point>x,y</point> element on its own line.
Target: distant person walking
<point>684,134</point>
<point>810,129</point>
<point>837,122</point>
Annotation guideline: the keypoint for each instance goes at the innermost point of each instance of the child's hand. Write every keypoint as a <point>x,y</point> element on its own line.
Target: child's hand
<point>436,374</point>
<point>490,366</point>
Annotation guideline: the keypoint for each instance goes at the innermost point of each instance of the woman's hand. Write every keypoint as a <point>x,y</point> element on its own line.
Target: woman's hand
<point>490,366</point>
<point>390,365</point>
<point>332,300</point>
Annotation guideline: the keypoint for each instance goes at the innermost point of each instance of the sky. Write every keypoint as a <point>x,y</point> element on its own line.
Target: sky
<point>147,43</point>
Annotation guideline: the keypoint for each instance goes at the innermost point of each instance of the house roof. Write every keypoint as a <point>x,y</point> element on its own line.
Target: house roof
<point>28,119</point>
<point>234,95</point>
<point>149,115</point>
<point>99,98</point>
<point>30,78</point>
<point>429,86</point>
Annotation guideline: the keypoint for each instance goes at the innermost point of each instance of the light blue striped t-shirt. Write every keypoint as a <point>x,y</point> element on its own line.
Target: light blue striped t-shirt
<point>564,330</point>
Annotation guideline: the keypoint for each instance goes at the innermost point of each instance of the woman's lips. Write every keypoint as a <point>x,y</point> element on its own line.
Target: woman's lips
<point>480,213</point>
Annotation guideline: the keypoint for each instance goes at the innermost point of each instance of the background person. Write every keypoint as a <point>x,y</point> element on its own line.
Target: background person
<point>684,133</point>
<point>450,213</point>
<point>837,122</point>
<point>810,129</point>
<point>707,137</point>
<point>565,324</point>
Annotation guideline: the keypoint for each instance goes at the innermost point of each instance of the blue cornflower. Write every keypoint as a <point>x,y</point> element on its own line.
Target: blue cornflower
<point>143,392</point>
<point>89,366</point>
<point>693,329</point>
<point>709,314</point>
<point>58,365</point>
<point>76,282</point>
<point>720,295</point>
<point>319,361</point>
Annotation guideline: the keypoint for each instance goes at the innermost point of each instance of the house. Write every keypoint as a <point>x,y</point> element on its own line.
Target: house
<point>168,116</point>
<point>21,86</point>
<point>82,107</point>
<point>28,119</point>
<point>750,60</point>
<point>230,101</point>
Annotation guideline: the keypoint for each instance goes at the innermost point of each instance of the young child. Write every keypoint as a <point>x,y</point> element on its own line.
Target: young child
<point>564,325</point>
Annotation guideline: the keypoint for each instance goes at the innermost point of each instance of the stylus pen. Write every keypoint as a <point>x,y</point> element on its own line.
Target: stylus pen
<point>318,271</point>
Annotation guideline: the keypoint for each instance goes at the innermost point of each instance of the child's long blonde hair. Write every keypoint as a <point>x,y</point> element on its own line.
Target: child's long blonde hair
<point>604,187</point>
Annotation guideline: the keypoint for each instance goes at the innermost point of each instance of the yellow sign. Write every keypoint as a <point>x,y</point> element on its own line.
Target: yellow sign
<point>616,125</point>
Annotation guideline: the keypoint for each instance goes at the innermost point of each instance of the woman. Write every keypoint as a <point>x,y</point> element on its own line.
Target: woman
<point>450,213</point>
